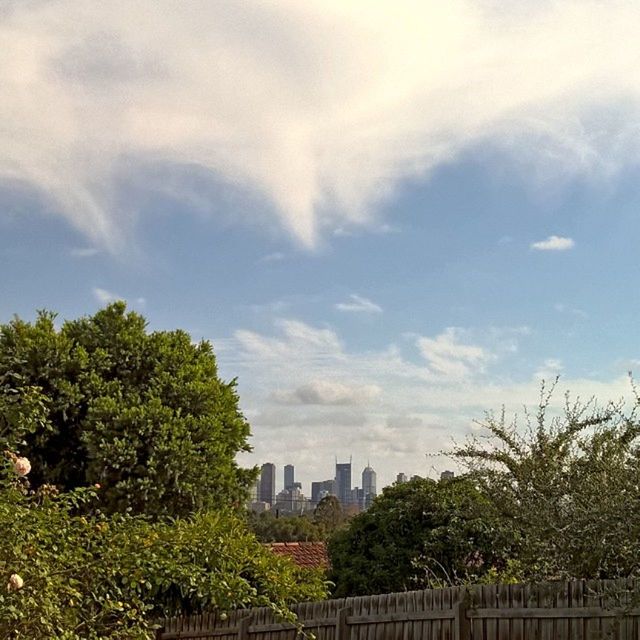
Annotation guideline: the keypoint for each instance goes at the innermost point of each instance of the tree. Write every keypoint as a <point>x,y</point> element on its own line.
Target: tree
<point>329,514</point>
<point>416,535</point>
<point>568,484</point>
<point>269,528</point>
<point>144,414</point>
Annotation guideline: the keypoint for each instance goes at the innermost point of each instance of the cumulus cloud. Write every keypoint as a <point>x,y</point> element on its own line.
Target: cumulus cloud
<point>423,402</point>
<point>329,392</point>
<point>319,108</point>
<point>553,243</point>
<point>358,304</point>
<point>447,357</point>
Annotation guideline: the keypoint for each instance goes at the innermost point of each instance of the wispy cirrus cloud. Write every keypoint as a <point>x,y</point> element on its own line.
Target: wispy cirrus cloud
<point>358,304</point>
<point>321,109</point>
<point>105,297</point>
<point>554,243</point>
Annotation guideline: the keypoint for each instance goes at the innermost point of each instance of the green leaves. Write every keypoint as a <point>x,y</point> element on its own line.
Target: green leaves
<point>102,400</point>
<point>418,534</point>
<point>568,484</point>
<point>99,577</point>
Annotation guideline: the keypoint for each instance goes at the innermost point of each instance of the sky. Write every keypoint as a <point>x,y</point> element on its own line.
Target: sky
<point>389,218</point>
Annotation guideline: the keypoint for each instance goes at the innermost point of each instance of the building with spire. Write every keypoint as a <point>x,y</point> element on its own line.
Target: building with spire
<point>343,482</point>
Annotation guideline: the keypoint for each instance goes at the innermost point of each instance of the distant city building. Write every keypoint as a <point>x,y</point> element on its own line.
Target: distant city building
<point>416,477</point>
<point>321,490</point>
<point>401,477</point>
<point>292,501</point>
<point>268,483</point>
<point>368,487</point>
<point>447,475</point>
<point>288,476</point>
<point>254,492</point>
<point>258,506</point>
<point>343,482</point>
<point>369,481</point>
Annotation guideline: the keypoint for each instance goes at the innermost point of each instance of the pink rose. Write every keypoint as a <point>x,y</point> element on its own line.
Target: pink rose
<point>22,466</point>
<point>15,582</point>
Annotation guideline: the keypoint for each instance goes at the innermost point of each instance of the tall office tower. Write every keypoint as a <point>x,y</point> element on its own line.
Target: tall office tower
<point>369,483</point>
<point>268,483</point>
<point>288,476</point>
<point>401,477</point>
<point>343,482</point>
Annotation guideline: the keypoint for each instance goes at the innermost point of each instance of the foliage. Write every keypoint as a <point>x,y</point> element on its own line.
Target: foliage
<point>329,514</point>
<point>418,534</point>
<point>95,577</point>
<point>568,485</point>
<point>267,527</point>
<point>100,399</point>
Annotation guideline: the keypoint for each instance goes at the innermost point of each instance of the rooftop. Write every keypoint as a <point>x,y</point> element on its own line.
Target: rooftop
<point>310,555</point>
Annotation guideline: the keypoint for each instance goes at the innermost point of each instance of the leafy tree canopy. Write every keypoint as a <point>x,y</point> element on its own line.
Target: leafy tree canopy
<point>568,483</point>
<point>144,414</point>
<point>269,528</point>
<point>415,535</point>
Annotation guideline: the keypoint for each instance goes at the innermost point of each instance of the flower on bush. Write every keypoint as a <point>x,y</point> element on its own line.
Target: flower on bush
<point>22,466</point>
<point>15,582</point>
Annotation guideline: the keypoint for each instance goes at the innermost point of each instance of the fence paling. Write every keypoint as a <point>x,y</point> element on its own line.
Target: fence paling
<point>557,611</point>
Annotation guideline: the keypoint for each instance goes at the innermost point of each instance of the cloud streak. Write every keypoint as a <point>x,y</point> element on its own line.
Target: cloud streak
<point>554,243</point>
<point>358,304</point>
<point>319,108</point>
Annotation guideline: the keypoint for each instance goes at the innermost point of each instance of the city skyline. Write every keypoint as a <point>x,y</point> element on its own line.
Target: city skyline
<point>280,471</point>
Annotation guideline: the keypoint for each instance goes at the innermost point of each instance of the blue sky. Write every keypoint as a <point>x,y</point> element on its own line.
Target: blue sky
<point>387,221</point>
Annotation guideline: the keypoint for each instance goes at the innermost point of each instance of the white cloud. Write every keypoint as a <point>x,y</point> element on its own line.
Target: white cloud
<point>550,369</point>
<point>447,357</point>
<point>358,304</point>
<point>419,408</point>
<point>553,243</point>
<point>328,392</point>
<point>105,297</point>
<point>319,108</point>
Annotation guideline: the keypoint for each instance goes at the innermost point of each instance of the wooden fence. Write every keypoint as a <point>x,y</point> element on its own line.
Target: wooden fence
<point>582,610</point>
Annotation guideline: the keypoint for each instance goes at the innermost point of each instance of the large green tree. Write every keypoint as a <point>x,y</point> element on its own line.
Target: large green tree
<point>415,535</point>
<point>102,400</point>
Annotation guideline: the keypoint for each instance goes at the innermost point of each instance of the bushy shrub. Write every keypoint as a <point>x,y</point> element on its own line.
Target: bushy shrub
<point>72,576</point>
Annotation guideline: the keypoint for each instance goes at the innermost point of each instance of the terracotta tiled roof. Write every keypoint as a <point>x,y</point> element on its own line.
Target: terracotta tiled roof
<point>304,554</point>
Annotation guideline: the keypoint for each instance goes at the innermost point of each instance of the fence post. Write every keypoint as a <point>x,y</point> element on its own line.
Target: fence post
<point>243,628</point>
<point>342,628</point>
<point>461,626</point>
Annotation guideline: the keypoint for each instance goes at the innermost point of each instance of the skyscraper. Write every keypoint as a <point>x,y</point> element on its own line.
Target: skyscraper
<point>268,483</point>
<point>343,482</point>
<point>288,476</point>
<point>322,489</point>
<point>368,485</point>
<point>401,477</point>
